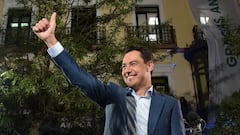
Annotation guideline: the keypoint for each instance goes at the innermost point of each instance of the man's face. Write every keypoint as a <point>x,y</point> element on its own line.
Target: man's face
<point>135,72</point>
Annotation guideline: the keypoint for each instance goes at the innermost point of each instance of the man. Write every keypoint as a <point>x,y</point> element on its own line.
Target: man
<point>154,113</point>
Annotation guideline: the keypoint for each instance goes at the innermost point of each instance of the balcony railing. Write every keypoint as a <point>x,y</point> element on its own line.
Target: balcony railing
<point>16,37</point>
<point>163,35</point>
<point>23,36</point>
<point>159,34</point>
<point>96,36</point>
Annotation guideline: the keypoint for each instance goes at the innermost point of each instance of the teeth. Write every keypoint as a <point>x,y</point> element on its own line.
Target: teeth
<point>129,78</point>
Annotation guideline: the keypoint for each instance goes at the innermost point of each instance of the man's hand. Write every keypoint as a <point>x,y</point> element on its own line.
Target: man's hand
<point>45,30</point>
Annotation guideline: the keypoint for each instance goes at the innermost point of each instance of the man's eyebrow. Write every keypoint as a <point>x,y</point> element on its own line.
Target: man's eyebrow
<point>133,61</point>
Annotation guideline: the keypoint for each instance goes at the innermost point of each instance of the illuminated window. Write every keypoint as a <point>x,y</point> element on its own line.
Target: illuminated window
<point>204,20</point>
<point>147,16</point>
<point>147,20</point>
<point>18,26</point>
<point>153,21</point>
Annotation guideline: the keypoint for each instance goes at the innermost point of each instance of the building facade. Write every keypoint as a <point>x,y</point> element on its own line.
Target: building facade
<point>173,75</point>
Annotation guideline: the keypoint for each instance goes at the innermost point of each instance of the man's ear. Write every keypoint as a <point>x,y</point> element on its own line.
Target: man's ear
<point>150,66</point>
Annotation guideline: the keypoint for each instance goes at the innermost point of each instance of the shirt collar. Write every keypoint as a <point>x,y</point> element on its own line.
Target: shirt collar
<point>131,92</point>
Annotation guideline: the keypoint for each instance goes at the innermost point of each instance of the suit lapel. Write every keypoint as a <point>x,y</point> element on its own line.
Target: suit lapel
<point>156,109</point>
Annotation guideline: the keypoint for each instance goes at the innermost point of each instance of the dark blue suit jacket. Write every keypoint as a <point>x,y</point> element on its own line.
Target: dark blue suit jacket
<point>165,117</point>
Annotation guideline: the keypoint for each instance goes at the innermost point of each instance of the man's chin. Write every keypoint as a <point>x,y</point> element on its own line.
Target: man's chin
<point>130,85</point>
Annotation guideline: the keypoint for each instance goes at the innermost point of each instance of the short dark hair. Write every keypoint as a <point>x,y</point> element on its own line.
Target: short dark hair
<point>146,54</point>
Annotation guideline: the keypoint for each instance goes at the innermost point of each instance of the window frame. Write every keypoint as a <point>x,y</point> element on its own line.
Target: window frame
<point>19,33</point>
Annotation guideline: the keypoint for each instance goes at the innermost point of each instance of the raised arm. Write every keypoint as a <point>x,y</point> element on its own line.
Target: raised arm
<point>76,75</point>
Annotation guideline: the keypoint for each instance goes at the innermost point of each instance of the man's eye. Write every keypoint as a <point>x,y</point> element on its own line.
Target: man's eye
<point>133,63</point>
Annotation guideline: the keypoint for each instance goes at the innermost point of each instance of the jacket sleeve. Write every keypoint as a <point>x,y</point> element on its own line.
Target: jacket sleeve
<point>89,85</point>
<point>177,122</point>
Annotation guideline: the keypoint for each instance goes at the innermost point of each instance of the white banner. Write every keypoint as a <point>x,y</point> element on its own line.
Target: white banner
<point>224,67</point>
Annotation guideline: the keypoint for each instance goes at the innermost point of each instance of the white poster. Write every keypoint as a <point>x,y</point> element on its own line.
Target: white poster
<point>224,67</point>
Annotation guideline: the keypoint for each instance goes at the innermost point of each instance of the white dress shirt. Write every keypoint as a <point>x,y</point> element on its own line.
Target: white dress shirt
<point>142,111</point>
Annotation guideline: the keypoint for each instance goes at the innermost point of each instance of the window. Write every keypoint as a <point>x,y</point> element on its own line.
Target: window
<point>147,19</point>
<point>18,26</point>
<point>147,16</point>
<point>163,78</point>
<point>161,84</point>
<point>84,24</point>
<point>204,20</point>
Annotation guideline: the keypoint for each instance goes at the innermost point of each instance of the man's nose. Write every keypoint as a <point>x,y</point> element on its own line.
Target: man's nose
<point>127,69</point>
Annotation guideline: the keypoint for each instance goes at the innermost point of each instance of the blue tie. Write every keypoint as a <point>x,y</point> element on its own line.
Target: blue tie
<point>131,106</point>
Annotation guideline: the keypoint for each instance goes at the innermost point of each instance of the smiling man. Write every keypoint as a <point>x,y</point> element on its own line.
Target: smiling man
<point>139,110</point>
<point>137,66</point>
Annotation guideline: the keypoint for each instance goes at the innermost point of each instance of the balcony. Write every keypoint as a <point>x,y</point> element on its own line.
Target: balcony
<point>162,35</point>
<point>22,37</point>
<point>93,37</point>
<point>16,41</point>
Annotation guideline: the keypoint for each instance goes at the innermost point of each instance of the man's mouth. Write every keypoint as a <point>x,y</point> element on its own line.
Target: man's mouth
<point>130,77</point>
